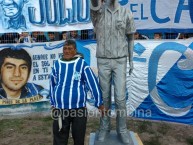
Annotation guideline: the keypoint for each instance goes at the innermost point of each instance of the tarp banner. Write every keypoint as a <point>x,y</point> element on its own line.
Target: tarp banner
<point>66,15</point>
<point>160,87</point>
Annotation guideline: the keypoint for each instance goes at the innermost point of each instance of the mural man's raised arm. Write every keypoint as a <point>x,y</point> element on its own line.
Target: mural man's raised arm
<point>95,4</point>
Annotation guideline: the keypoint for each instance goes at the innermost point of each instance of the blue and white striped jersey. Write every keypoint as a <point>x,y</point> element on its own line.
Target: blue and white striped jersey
<point>68,84</point>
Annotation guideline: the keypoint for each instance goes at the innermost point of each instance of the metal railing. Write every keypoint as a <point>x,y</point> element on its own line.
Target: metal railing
<point>78,35</point>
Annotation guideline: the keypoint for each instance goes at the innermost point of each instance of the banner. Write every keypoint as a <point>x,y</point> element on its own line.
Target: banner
<point>44,15</point>
<point>66,15</point>
<point>162,15</point>
<point>160,87</point>
<point>35,60</point>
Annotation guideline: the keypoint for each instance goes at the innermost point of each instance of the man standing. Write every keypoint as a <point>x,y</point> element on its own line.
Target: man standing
<point>114,27</point>
<point>13,10</point>
<point>68,80</point>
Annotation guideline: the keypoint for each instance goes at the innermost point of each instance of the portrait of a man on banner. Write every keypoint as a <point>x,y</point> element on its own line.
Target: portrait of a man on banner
<point>12,10</point>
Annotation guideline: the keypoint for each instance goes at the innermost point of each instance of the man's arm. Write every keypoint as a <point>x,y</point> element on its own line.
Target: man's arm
<point>130,30</point>
<point>95,6</point>
<point>52,83</point>
<point>94,89</point>
<point>93,85</point>
<point>130,39</point>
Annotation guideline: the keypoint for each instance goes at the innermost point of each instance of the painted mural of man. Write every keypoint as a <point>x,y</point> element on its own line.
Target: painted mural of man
<point>13,10</point>
<point>15,68</point>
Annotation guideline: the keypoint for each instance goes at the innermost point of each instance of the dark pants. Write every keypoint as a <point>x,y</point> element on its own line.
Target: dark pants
<point>74,118</point>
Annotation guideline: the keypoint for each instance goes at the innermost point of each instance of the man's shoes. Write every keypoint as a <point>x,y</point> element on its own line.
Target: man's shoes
<point>124,137</point>
<point>102,135</point>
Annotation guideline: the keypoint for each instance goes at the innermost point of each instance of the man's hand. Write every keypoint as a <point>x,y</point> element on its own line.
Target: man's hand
<point>131,67</point>
<point>102,110</point>
<point>95,5</point>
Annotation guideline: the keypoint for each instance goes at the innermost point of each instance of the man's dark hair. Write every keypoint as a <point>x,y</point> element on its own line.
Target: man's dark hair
<point>70,42</point>
<point>17,54</point>
<point>64,32</point>
<point>160,34</point>
<point>51,33</point>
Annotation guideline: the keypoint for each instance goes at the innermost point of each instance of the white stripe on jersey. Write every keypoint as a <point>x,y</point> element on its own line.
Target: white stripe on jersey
<point>63,87</point>
<point>71,85</point>
<point>78,90</point>
<point>55,95</point>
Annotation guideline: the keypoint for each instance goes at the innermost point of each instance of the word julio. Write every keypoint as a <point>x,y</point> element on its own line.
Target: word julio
<point>79,13</point>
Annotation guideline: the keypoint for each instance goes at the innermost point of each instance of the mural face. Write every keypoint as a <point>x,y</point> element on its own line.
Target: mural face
<point>15,87</point>
<point>12,8</point>
<point>14,73</point>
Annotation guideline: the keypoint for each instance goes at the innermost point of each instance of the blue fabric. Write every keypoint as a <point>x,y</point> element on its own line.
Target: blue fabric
<point>175,88</point>
<point>149,110</point>
<point>68,84</point>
